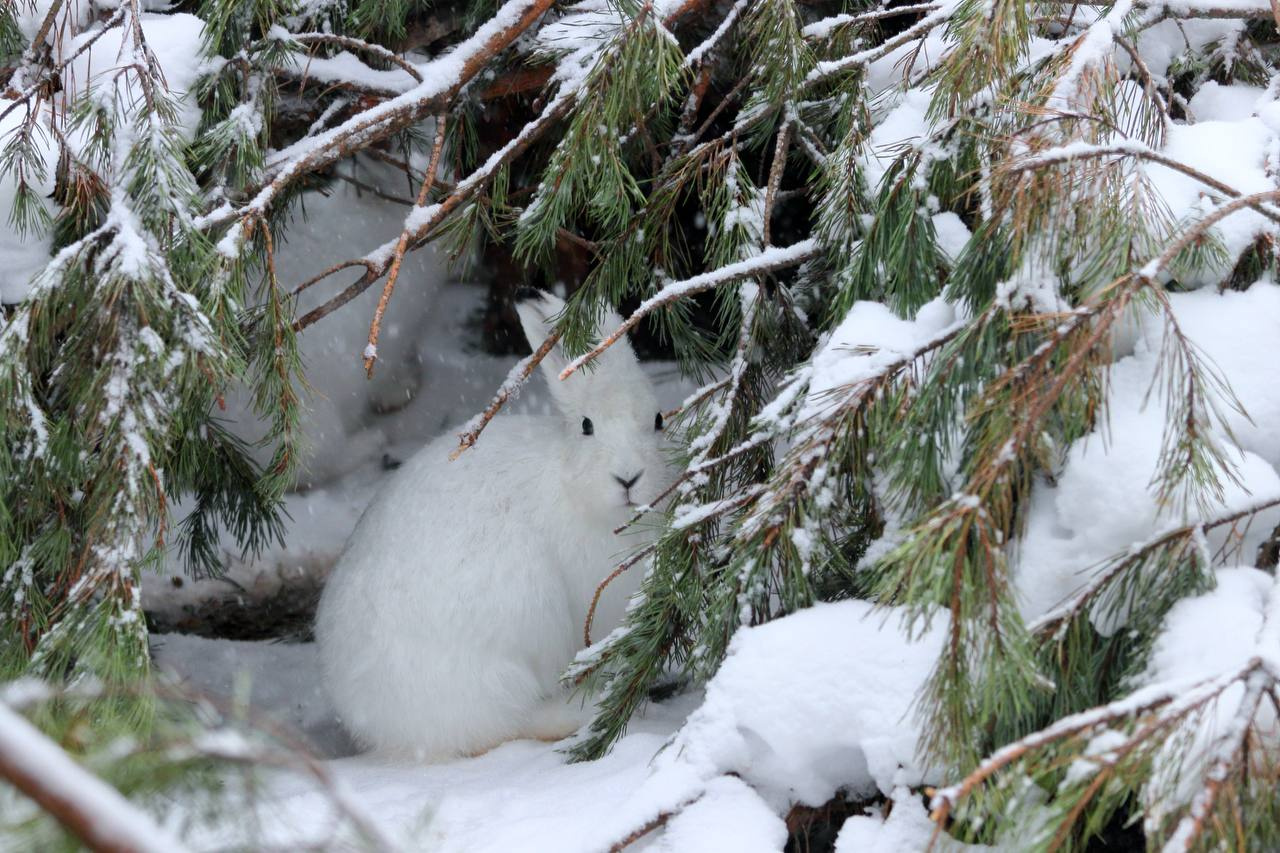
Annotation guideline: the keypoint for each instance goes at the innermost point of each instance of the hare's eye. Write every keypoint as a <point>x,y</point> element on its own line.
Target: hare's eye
<point>588,428</point>
<point>657,422</point>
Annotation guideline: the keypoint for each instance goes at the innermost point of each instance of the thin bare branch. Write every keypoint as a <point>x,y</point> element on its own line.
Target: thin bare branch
<point>397,257</point>
<point>519,375</point>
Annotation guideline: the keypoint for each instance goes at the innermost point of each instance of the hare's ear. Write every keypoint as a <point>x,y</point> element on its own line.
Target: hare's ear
<point>538,311</point>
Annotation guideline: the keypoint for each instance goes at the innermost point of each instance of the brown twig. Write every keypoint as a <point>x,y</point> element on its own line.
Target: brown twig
<point>354,262</point>
<point>397,257</point>
<point>521,80</point>
<point>775,176</point>
<point>362,186</point>
<point>519,376</point>
<point>614,575</point>
<point>464,190</point>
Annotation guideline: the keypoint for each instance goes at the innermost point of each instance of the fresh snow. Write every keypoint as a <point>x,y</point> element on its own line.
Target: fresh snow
<point>1072,525</point>
<point>818,701</point>
<point>770,733</point>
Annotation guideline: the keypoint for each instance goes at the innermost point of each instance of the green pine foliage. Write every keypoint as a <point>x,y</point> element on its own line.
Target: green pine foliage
<point>729,140</point>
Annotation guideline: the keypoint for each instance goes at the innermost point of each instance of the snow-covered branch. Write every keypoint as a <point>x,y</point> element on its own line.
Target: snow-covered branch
<point>769,260</point>
<point>88,807</point>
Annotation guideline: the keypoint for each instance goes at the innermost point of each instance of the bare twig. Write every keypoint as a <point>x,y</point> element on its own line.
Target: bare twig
<point>775,177</point>
<point>376,263</point>
<point>397,257</point>
<point>342,265</point>
<point>614,575</point>
<point>518,376</point>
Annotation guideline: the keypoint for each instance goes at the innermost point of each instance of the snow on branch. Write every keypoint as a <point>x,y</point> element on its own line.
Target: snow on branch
<point>772,258</point>
<point>1175,697</point>
<point>423,220</point>
<point>92,810</point>
<point>1060,616</point>
<point>1081,150</point>
<point>827,69</point>
<point>352,43</point>
<point>511,385</point>
<point>442,80</point>
<point>1213,11</point>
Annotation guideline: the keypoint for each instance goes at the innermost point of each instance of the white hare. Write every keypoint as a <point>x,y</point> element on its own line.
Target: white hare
<point>461,594</point>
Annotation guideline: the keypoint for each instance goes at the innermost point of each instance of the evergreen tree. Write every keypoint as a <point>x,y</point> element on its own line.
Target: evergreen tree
<point>724,167</point>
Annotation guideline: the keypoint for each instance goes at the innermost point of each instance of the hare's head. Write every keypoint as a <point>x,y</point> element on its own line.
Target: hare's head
<point>613,430</point>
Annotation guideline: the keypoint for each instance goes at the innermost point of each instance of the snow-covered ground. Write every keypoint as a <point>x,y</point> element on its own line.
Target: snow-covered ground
<point>719,769</point>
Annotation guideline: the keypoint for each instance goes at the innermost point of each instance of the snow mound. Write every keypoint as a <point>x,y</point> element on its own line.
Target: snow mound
<point>815,702</point>
<point>1073,526</point>
<point>818,701</point>
<point>1231,613</point>
<point>279,680</point>
<point>728,816</point>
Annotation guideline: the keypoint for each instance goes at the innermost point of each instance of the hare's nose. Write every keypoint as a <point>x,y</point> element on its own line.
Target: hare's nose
<point>626,484</point>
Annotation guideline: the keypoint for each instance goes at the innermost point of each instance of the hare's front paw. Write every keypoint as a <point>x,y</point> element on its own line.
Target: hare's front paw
<point>556,719</point>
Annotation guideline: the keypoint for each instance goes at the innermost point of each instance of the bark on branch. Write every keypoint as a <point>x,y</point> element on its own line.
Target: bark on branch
<point>86,806</point>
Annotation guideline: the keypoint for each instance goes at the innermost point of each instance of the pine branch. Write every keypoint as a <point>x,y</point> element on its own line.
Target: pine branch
<point>428,220</point>
<point>1177,541</point>
<point>767,261</point>
<point>89,808</point>
<point>443,79</point>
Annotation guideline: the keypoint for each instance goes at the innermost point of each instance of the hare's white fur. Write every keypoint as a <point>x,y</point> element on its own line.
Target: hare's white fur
<point>461,595</point>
